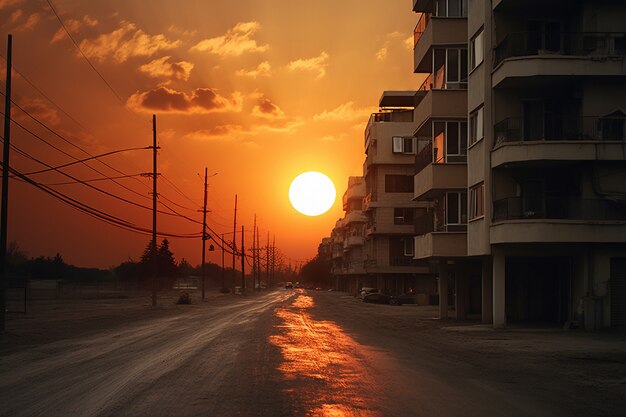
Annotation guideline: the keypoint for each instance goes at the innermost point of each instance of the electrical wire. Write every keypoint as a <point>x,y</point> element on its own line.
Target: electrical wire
<point>99,214</point>
<point>69,35</point>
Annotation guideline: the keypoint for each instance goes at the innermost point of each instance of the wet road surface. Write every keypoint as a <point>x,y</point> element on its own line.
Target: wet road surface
<point>271,354</point>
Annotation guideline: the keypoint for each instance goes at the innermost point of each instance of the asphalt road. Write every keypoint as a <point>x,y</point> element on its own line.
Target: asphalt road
<point>282,353</point>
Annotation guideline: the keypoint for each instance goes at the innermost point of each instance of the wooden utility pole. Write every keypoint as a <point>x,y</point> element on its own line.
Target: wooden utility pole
<point>155,266</point>
<point>223,271</point>
<point>204,235</point>
<point>5,186</point>
<point>254,265</point>
<point>258,257</point>
<point>273,258</point>
<point>234,241</point>
<point>267,261</point>
<point>243,261</point>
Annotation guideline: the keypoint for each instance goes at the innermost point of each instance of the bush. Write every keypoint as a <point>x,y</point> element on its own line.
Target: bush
<point>184,298</point>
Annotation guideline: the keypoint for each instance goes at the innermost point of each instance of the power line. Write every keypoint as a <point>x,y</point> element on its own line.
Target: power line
<point>99,214</point>
<point>69,35</point>
<point>74,145</point>
<point>56,168</point>
<point>46,97</point>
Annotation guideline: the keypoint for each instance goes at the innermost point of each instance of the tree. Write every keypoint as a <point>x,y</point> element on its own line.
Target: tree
<point>165,260</point>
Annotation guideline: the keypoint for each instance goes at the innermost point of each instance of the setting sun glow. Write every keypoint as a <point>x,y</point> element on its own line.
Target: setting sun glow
<point>312,193</point>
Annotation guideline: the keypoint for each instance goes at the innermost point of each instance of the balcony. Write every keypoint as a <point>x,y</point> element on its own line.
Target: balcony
<point>559,139</point>
<point>434,31</point>
<point>356,216</point>
<point>370,201</point>
<point>352,241</point>
<point>442,103</point>
<point>441,245</point>
<point>562,207</point>
<point>436,179</point>
<point>425,224</point>
<point>558,54</point>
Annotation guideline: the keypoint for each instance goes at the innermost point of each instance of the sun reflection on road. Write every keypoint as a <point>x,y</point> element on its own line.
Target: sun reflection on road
<point>322,364</point>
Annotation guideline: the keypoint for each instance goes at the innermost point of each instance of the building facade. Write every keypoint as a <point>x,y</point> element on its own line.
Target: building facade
<point>540,184</point>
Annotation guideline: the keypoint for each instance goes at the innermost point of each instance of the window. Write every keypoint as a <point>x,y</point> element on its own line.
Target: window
<point>477,201</point>
<point>476,125</point>
<point>403,145</point>
<point>409,248</point>
<point>403,215</point>
<point>456,208</point>
<point>398,184</point>
<point>450,8</point>
<point>450,141</point>
<point>476,50</point>
<point>450,68</point>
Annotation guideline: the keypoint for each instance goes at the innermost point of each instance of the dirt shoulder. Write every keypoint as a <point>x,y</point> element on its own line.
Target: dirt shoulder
<point>64,318</point>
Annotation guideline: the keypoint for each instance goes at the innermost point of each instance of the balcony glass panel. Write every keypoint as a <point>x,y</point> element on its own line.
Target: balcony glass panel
<point>560,207</point>
<point>550,41</point>
<point>606,128</point>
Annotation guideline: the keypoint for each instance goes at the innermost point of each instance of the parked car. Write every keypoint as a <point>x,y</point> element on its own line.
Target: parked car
<point>367,290</point>
<point>289,286</point>
<point>380,298</point>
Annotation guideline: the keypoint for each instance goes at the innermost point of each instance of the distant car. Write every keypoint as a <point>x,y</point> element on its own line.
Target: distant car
<point>380,298</point>
<point>318,288</point>
<point>289,285</point>
<point>367,290</point>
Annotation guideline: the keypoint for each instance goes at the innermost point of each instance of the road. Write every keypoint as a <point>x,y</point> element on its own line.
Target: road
<point>287,353</point>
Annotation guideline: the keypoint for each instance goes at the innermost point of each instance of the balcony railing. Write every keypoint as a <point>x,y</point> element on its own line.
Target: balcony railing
<point>427,224</point>
<point>426,157</point>
<point>420,28</point>
<point>608,128</point>
<point>402,261</point>
<point>560,43</point>
<point>564,208</point>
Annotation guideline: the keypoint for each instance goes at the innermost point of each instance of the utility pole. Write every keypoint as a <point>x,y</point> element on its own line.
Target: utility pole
<point>223,272</point>
<point>243,262</point>
<point>273,257</point>
<point>204,236</point>
<point>267,261</point>
<point>254,266</point>
<point>5,186</point>
<point>234,241</point>
<point>155,266</point>
<point>258,257</point>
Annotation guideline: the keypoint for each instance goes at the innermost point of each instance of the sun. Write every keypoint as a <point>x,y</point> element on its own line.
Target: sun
<point>312,193</point>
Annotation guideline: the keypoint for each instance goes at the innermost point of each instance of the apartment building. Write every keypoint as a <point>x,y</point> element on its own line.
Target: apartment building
<point>523,119</point>
<point>348,269</point>
<point>390,150</point>
<point>440,53</point>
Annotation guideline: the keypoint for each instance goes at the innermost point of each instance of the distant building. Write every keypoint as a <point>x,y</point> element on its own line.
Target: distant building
<point>373,243</point>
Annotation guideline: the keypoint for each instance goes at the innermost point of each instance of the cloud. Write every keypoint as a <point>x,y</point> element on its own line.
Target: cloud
<point>381,55</point>
<point>39,109</point>
<point>9,3</point>
<point>409,43</point>
<point>200,100</point>
<point>344,112</point>
<point>267,110</point>
<point>30,23</point>
<point>162,68</point>
<point>15,16</point>
<point>235,42</point>
<point>219,132</point>
<point>73,26</point>
<point>125,42</point>
<point>316,64</point>
<point>180,31</point>
<point>263,69</point>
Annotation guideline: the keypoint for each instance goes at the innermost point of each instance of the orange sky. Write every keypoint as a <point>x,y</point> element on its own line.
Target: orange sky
<point>257,91</point>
